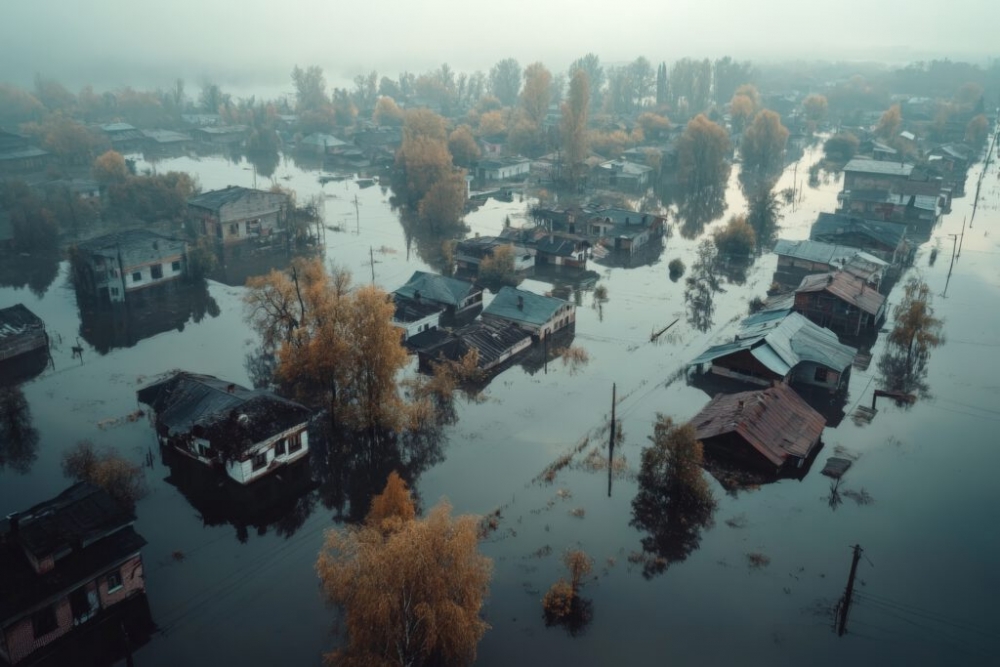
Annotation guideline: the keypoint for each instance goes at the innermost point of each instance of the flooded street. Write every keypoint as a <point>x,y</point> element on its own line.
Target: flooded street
<point>225,582</point>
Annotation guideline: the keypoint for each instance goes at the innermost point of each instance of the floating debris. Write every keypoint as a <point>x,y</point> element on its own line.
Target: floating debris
<point>836,467</point>
<point>758,560</point>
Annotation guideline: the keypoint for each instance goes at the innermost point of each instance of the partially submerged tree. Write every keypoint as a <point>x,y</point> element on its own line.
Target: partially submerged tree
<point>737,238</point>
<point>106,468</point>
<point>573,127</point>
<point>498,268</point>
<point>763,147</point>
<point>411,589</point>
<point>702,154</point>
<point>563,604</point>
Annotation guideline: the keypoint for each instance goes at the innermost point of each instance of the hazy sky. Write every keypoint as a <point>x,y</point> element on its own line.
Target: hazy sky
<point>242,43</point>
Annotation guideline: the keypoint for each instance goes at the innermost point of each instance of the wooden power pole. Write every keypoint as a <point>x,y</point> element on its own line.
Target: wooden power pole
<point>845,604</point>
<point>611,441</point>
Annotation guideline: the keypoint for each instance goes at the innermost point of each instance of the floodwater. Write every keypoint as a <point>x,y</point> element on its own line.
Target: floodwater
<point>232,585</point>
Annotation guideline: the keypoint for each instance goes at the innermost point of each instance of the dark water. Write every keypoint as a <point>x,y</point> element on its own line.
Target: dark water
<point>244,590</point>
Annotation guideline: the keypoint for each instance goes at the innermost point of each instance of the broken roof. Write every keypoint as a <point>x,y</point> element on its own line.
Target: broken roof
<point>828,225</point>
<point>17,319</point>
<point>846,287</point>
<point>520,305</point>
<point>823,253</point>
<point>863,165</point>
<point>214,200</point>
<point>226,413</point>
<point>434,287</point>
<point>135,246</point>
<point>781,341</point>
<point>776,422</point>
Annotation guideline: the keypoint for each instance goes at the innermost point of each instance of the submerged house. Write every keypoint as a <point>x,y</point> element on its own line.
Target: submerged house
<point>772,430</point>
<point>236,214</point>
<point>21,332</point>
<point>247,433</point>
<point>503,168</point>
<point>781,346</point>
<point>112,266</point>
<point>66,563</point>
<point>414,316</point>
<point>456,297</point>
<point>841,302</point>
<point>538,315</point>
<point>623,230</point>
<point>494,343</point>
<point>798,259</point>
<point>18,156</point>
<point>470,253</point>
<point>885,240</point>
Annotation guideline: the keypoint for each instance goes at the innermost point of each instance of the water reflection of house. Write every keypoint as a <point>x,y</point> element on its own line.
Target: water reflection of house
<point>236,262</point>
<point>798,259</point>
<point>166,142</point>
<point>112,266</point>
<point>248,433</point>
<point>67,563</point>
<point>538,315</point>
<point>237,214</point>
<point>21,332</point>
<point>457,297</point>
<point>770,430</point>
<point>781,346</point>
<point>841,302</point>
<point>221,134</point>
<point>124,138</point>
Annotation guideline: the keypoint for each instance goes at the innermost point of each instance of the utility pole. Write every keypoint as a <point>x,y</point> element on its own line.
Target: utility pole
<point>357,214</point>
<point>845,604</point>
<point>371,256</point>
<point>611,441</point>
<point>962,239</point>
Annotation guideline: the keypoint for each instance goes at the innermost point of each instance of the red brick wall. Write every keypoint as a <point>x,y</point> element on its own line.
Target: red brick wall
<point>132,582</point>
<point>21,640</point>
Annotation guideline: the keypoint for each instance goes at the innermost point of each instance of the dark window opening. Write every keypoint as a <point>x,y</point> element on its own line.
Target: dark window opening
<point>44,621</point>
<point>821,374</point>
<point>156,271</point>
<point>114,581</point>
<point>279,447</point>
<point>137,276</point>
<point>259,461</point>
<point>295,442</point>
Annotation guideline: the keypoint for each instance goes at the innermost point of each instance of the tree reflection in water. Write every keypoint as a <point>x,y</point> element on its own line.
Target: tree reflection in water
<point>701,285</point>
<point>18,438</point>
<point>34,271</point>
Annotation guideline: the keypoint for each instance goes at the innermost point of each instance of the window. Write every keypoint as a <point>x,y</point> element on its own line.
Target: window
<point>820,374</point>
<point>259,461</point>
<point>114,581</point>
<point>114,291</point>
<point>279,447</point>
<point>234,229</point>
<point>44,621</point>
<point>294,442</point>
<point>156,271</point>
<point>137,276</point>
<point>176,266</point>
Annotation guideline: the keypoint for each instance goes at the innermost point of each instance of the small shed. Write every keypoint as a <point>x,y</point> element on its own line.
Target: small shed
<point>21,332</point>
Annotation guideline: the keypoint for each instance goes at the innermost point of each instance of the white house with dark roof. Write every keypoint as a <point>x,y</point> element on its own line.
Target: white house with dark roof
<point>539,315</point>
<point>455,296</point>
<point>235,214</point>
<point>109,267</point>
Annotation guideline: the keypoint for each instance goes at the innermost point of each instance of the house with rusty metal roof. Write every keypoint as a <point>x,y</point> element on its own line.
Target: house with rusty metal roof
<point>781,346</point>
<point>772,429</point>
<point>248,433</point>
<point>798,259</point>
<point>538,315</point>
<point>841,302</point>
<point>66,563</point>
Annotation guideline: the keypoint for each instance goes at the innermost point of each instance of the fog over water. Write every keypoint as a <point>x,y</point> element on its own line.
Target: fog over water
<point>243,44</point>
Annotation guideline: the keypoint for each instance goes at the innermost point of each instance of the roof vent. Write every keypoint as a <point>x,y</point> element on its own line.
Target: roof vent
<point>243,419</point>
<point>520,302</point>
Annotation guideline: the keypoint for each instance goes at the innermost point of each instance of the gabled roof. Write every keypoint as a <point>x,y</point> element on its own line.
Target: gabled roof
<point>822,253</point>
<point>408,310</point>
<point>17,319</point>
<point>775,421</point>
<point>214,200</point>
<point>863,165</point>
<point>226,413</point>
<point>626,167</point>
<point>781,341</point>
<point>847,288</point>
<point>166,136</point>
<point>322,140</point>
<point>827,225</point>
<point>623,216</point>
<point>434,287</point>
<point>519,305</point>
<point>135,246</point>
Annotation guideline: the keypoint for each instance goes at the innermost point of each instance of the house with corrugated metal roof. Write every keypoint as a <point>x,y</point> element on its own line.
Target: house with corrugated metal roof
<point>236,214</point>
<point>538,315</point>
<point>114,265</point>
<point>840,302</point>
<point>67,563</point>
<point>456,297</point>
<point>798,259</point>
<point>886,240</point>
<point>247,433</point>
<point>772,430</point>
<point>781,346</point>
<point>495,342</point>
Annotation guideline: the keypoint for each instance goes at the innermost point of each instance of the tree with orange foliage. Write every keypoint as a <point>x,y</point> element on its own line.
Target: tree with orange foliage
<point>109,167</point>
<point>411,589</point>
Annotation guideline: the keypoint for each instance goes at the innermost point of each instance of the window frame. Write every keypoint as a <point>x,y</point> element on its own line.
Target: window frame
<point>156,269</point>
<point>45,621</point>
<point>137,276</point>
<point>111,577</point>
<point>258,461</point>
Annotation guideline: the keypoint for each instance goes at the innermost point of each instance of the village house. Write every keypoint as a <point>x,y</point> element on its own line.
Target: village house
<point>798,259</point>
<point>247,433</point>
<point>622,175</point>
<point>66,564</point>
<point>494,342</point>
<point>509,168</point>
<point>840,302</point>
<point>457,297</point>
<point>124,138</point>
<point>550,248</point>
<point>771,430</point>
<point>883,239</point>
<point>414,316</point>
<point>869,174</point>
<point>922,210</point>
<point>112,266</point>
<point>166,141</point>
<point>221,134</point>
<point>536,314</point>
<point>237,214</point>
<point>18,156</point>
<point>781,346</point>
<point>21,332</point>
<point>470,253</point>
<point>493,145</point>
<point>621,230</point>
<point>321,144</point>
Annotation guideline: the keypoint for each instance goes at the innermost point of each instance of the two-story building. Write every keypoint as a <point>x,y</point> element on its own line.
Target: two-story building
<point>456,297</point>
<point>538,315</point>
<point>110,267</point>
<point>236,214</point>
<point>64,565</point>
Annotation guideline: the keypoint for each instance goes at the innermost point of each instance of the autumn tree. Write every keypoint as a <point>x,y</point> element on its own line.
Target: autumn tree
<point>674,502</point>
<point>590,65</point>
<point>505,81</point>
<point>573,126</point>
<point>35,228</point>
<point>411,590</point>
<point>915,333</point>
<point>69,140</point>
<point>463,147</point>
<point>18,106</point>
<point>310,88</point>
<point>977,131</point>
<point>387,112</point>
<point>841,147</point>
<point>109,167</point>
<point>889,124</point>
<point>702,155</point>
<point>737,238</point>
<point>499,268</point>
<point>441,209</point>
<point>53,94</point>
<point>106,468</point>
<point>741,110</point>
<point>729,74</point>
<point>763,147</point>
<point>536,93</point>
<point>653,125</point>
<point>815,107</point>
<point>563,603</point>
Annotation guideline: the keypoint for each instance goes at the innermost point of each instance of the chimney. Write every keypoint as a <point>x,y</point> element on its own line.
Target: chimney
<point>416,296</point>
<point>520,302</point>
